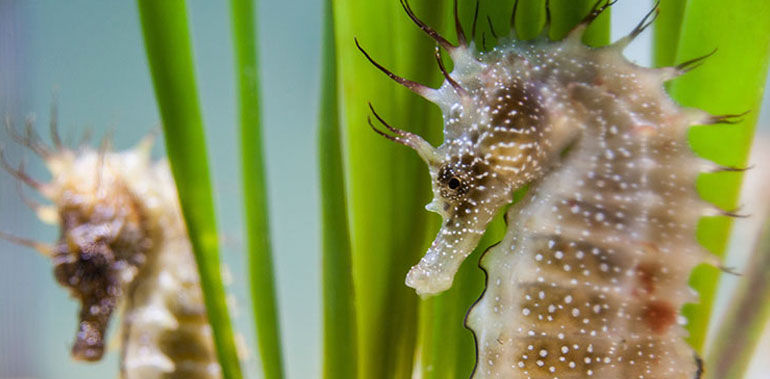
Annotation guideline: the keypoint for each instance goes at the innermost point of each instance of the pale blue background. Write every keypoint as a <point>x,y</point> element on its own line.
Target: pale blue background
<point>91,53</point>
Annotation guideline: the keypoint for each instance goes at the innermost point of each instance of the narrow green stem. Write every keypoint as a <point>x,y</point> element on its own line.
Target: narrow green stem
<point>747,316</point>
<point>167,41</point>
<point>339,333</point>
<point>257,227</point>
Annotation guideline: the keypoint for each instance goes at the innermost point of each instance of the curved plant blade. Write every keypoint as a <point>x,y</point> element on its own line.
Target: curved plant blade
<point>387,185</point>
<point>339,322</point>
<point>167,41</point>
<point>257,228</point>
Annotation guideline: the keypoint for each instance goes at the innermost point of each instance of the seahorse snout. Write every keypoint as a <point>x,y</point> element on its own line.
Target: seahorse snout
<point>436,270</point>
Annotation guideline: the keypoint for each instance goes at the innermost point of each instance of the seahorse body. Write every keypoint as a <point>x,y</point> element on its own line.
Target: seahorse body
<point>593,269</point>
<point>123,241</point>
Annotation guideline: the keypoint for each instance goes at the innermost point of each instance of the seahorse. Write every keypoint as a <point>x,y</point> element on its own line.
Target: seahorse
<point>123,243</point>
<point>590,276</point>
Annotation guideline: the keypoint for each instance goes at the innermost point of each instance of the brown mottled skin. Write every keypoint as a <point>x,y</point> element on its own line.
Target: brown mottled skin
<point>99,243</point>
<point>593,270</point>
<point>123,243</point>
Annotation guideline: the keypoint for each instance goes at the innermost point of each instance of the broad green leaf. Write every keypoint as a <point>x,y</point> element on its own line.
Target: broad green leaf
<point>731,81</point>
<point>666,31</point>
<point>567,13</point>
<point>387,184</point>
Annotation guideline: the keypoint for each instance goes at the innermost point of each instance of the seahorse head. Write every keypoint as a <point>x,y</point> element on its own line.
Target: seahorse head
<point>102,244</point>
<point>104,236</point>
<point>496,139</point>
<point>503,126</point>
<point>509,115</point>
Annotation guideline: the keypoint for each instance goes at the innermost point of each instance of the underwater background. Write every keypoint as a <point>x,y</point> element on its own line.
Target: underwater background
<point>90,54</point>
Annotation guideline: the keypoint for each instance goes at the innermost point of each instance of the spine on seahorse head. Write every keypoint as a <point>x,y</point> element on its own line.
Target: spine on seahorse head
<point>592,272</point>
<point>123,243</point>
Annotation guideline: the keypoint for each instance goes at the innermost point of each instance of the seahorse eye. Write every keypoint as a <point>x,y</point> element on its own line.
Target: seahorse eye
<point>454,183</point>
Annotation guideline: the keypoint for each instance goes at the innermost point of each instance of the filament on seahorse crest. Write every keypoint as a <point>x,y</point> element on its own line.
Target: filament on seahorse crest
<point>592,272</point>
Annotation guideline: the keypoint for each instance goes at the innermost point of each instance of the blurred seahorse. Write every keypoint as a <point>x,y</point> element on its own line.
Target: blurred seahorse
<point>123,240</point>
<point>593,269</point>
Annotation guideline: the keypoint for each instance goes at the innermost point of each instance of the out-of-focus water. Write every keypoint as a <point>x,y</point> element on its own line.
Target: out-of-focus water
<point>91,54</point>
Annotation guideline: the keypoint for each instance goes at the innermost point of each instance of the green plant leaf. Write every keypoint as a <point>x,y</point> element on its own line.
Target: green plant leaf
<point>565,14</point>
<point>568,13</point>
<point>167,41</point>
<point>339,323</point>
<point>731,81</point>
<point>666,30</point>
<point>387,184</point>
<point>257,226</point>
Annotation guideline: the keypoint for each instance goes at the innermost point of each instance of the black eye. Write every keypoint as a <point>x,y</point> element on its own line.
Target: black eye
<point>454,183</point>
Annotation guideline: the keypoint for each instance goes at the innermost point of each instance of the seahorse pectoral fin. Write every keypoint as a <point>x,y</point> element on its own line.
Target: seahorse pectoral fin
<point>436,270</point>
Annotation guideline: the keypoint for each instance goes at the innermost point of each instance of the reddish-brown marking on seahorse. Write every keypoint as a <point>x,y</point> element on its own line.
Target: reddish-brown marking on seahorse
<point>659,315</point>
<point>646,273</point>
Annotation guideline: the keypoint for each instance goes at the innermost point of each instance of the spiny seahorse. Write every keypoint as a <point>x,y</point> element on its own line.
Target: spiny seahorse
<point>591,274</point>
<point>123,240</point>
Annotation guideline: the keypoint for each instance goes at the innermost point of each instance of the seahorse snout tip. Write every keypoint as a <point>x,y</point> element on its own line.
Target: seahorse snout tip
<point>437,268</point>
<point>427,282</point>
<point>89,342</point>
